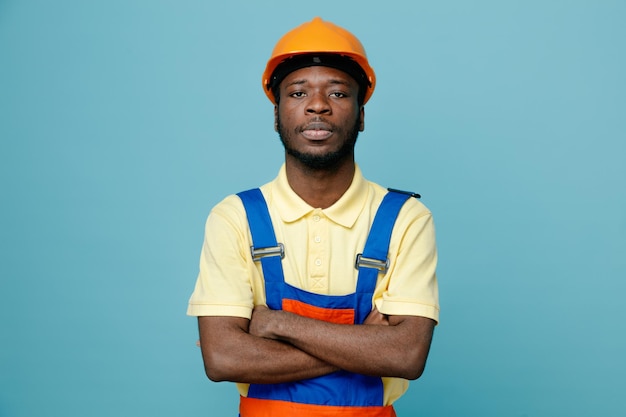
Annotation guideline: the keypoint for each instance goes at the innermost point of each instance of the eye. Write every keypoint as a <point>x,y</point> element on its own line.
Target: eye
<point>297,94</point>
<point>338,94</point>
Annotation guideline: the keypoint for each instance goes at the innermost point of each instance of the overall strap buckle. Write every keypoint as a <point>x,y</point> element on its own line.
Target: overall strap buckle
<point>362,261</point>
<point>258,253</point>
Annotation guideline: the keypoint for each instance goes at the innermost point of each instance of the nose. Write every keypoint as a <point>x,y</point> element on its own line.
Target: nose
<point>318,104</point>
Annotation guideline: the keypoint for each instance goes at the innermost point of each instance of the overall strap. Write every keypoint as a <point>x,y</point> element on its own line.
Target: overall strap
<point>374,257</point>
<point>264,245</point>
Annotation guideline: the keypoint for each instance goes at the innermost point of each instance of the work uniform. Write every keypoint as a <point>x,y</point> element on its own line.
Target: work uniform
<point>320,247</point>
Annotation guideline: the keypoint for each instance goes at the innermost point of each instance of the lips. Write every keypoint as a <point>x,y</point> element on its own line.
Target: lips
<point>317,131</point>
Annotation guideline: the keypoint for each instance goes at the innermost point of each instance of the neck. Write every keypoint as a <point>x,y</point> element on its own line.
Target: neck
<point>320,188</point>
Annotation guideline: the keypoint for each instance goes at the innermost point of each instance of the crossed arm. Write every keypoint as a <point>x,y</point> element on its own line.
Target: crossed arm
<point>278,346</point>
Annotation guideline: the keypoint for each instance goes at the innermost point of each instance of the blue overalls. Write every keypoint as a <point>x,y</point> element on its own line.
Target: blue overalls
<point>339,393</point>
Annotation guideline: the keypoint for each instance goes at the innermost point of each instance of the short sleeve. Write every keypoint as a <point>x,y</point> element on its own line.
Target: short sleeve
<point>223,286</point>
<point>410,286</point>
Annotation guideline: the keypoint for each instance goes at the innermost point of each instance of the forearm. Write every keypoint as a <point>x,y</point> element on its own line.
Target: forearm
<point>237,356</point>
<point>397,350</point>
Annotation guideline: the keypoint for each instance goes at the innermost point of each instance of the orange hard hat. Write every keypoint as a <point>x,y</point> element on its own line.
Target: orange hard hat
<point>318,36</point>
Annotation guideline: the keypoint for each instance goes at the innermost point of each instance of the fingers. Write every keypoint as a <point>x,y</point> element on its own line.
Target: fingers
<point>376,318</point>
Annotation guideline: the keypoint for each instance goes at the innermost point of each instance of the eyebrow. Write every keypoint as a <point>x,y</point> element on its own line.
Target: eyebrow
<point>333,81</point>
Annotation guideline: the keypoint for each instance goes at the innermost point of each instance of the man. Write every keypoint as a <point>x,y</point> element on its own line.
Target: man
<point>317,294</point>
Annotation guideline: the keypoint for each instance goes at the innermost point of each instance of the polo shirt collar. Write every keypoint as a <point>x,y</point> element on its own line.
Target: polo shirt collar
<point>344,212</point>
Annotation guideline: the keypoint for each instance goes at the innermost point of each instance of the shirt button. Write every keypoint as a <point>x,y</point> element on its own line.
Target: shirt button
<point>318,239</point>
<point>318,262</point>
<point>316,218</point>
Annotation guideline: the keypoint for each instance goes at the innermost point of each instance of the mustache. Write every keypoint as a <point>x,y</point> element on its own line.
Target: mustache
<point>317,123</point>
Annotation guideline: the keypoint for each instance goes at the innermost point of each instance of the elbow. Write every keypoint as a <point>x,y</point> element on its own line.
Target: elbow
<point>214,374</point>
<point>221,339</point>
<point>412,360</point>
<point>411,366</point>
<point>413,372</point>
<point>218,368</point>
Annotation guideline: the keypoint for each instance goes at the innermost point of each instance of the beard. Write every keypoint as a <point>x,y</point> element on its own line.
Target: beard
<point>324,161</point>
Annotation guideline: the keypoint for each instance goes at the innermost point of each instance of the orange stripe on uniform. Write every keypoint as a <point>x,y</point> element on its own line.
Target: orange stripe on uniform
<point>339,316</point>
<point>254,407</point>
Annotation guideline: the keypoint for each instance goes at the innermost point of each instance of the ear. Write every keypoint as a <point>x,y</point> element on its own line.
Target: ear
<point>276,118</point>
<point>362,119</point>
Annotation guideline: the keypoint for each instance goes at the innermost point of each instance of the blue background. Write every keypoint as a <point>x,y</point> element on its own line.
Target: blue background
<point>123,122</point>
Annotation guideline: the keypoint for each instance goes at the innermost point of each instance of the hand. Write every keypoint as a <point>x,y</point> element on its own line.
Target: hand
<point>377,318</point>
<point>261,320</point>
